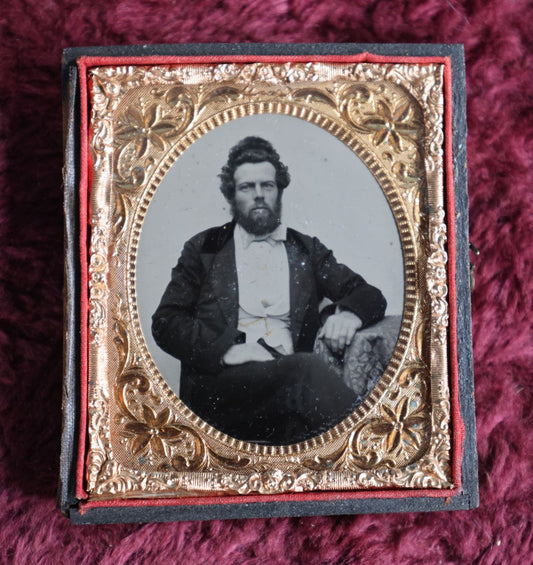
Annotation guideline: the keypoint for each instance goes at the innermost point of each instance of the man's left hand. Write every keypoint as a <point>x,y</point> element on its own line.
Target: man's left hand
<point>339,329</point>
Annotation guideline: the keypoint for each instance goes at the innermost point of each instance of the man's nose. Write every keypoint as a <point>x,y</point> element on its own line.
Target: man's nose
<point>259,191</point>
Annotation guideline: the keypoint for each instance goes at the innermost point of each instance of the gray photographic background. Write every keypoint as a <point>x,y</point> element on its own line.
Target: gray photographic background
<point>332,195</point>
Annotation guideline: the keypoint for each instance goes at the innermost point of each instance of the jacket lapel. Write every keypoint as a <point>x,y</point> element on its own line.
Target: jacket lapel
<point>301,283</point>
<point>223,278</point>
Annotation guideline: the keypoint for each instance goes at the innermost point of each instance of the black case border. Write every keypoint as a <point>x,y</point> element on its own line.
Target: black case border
<point>67,501</point>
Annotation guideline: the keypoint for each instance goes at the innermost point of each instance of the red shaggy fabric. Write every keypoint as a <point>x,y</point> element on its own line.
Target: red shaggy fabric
<point>499,58</point>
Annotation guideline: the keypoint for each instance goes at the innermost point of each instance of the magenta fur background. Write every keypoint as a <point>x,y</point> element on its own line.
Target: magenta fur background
<point>497,38</point>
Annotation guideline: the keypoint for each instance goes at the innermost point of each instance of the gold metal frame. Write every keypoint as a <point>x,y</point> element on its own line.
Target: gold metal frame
<point>143,441</point>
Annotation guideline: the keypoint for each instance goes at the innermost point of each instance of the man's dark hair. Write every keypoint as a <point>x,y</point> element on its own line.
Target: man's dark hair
<point>251,150</point>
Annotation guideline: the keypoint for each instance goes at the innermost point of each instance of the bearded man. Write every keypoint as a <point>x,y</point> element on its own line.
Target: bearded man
<point>241,313</point>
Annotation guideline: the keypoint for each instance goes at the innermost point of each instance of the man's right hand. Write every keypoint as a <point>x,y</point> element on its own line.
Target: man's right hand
<point>246,352</point>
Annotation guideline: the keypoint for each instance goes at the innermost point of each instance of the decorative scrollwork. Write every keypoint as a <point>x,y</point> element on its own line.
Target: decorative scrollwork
<point>100,449</point>
<point>437,275</point>
<point>255,73</point>
<point>98,267</point>
<point>394,435</point>
<point>394,125</point>
<point>144,132</point>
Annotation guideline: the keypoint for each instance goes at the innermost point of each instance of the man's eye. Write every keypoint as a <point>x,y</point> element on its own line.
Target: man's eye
<point>244,187</point>
<point>269,186</point>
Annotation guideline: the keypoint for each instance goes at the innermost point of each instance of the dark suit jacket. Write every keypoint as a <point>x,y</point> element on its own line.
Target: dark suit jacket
<point>197,318</point>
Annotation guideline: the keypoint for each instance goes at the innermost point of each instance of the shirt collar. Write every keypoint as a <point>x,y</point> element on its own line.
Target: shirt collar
<point>279,234</point>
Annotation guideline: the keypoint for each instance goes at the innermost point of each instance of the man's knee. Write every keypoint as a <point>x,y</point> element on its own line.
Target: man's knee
<point>304,362</point>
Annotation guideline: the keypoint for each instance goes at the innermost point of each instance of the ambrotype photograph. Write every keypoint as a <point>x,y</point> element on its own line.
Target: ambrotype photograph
<point>268,302</point>
<point>280,230</point>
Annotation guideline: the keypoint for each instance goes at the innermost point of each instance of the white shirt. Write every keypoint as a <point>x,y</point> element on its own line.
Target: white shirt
<point>264,295</point>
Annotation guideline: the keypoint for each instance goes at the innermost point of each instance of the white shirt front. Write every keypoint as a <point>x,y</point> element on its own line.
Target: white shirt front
<point>264,292</point>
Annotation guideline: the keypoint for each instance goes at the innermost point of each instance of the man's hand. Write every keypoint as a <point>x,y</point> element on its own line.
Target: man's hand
<point>246,352</point>
<point>339,329</point>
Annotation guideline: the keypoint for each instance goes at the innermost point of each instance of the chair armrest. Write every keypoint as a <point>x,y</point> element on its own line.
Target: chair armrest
<point>367,356</point>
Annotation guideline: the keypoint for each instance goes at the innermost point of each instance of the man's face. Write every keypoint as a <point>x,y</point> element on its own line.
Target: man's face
<point>257,203</point>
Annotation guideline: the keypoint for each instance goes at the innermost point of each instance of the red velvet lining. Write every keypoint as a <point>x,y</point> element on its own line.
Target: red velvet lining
<point>457,424</point>
<point>258,498</point>
<point>86,172</point>
<point>84,306</point>
<point>189,60</point>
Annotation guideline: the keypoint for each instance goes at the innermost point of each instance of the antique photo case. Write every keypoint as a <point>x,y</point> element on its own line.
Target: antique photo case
<point>267,309</point>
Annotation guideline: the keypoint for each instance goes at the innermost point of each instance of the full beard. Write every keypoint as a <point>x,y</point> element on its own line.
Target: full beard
<point>259,224</point>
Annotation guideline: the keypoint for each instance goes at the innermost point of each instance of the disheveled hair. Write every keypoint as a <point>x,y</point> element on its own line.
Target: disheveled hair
<point>251,150</point>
